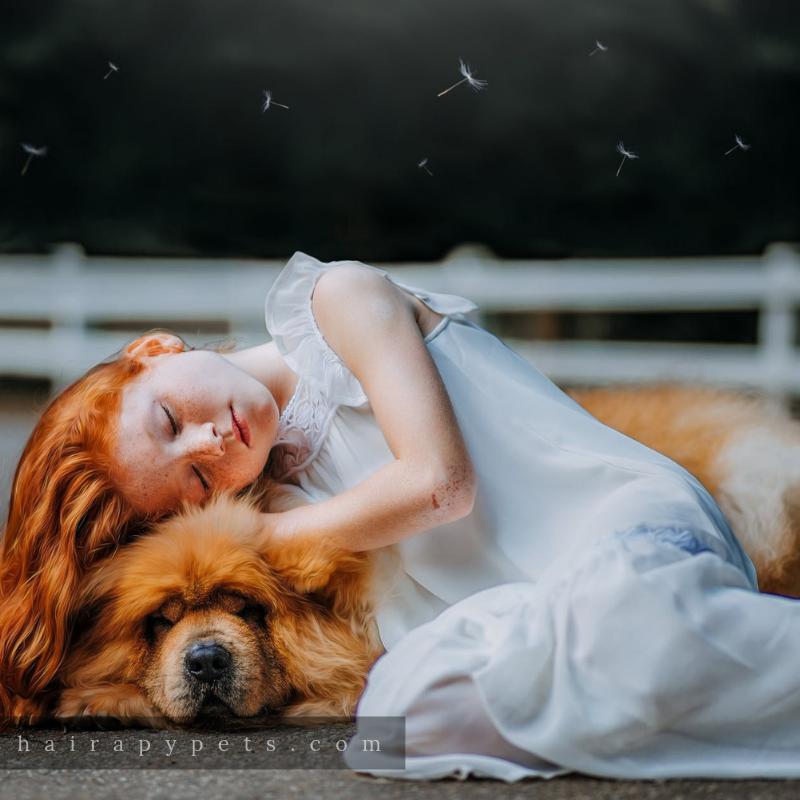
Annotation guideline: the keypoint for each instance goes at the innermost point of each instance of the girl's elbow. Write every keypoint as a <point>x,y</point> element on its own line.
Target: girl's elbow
<point>453,493</point>
<point>472,494</point>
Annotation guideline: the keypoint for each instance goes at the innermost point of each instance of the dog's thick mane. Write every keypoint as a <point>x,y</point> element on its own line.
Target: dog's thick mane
<point>323,623</point>
<point>197,551</point>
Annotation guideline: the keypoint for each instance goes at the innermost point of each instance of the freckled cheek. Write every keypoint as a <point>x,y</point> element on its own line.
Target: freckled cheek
<point>237,475</point>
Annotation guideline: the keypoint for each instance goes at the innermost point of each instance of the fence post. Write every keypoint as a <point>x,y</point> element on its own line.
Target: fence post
<point>68,335</point>
<point>777,327</point>
<point>465,271</point>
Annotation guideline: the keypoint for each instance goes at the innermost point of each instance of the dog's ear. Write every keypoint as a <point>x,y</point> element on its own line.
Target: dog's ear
<point>304,564</point>
<point>309,564</point>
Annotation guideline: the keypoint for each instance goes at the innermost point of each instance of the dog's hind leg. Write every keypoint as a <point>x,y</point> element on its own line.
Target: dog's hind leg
<point>745,451</point>
<point>759,493</point>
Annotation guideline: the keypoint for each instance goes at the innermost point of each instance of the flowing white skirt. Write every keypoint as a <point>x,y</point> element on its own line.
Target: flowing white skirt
<point>652,657</point>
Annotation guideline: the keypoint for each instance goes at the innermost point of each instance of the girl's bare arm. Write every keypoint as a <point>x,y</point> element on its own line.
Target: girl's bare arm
<point>371,324</point>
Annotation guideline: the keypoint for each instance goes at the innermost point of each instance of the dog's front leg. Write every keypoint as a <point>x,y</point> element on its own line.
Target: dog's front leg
<point>25,711</point>
<point>340,707</point>
<point>124,704</point>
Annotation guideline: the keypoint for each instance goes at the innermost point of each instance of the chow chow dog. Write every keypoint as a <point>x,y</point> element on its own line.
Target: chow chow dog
<point>204,617</point>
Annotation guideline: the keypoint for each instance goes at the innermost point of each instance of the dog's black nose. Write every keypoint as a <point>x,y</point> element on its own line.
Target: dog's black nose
<point>207,661</point>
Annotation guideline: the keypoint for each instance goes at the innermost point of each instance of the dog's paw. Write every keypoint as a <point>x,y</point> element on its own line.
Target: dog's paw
<point>314,708</point>
<point>28,712</point>
<point>107,707</point>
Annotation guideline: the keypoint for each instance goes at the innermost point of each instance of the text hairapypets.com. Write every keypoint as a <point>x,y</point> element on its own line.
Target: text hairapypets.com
<point>173,747</point>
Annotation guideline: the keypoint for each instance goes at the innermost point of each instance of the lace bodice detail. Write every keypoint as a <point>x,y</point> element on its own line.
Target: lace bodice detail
<point>302,428</point>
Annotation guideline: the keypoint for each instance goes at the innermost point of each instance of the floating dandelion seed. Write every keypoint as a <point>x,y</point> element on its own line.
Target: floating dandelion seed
<point>424,165</point>
<point>740,145</point>
<point>474,82</point>
<point>625,154</point>
<point>601,48</point>
<point>268,101</point>
<point>112,68</point>
<point>32,151</point>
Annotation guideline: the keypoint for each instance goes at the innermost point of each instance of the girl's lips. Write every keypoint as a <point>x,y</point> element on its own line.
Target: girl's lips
<point>240,427</point>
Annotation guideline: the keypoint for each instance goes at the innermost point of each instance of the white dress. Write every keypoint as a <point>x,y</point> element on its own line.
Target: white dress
<point>594,612</point>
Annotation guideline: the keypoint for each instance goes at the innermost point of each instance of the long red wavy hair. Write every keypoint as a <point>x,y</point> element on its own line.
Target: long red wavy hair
<point>65,513</point>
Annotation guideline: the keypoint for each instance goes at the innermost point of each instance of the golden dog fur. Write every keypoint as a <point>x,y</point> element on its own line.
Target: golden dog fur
<point>300,640</point>
<point>298,625</point>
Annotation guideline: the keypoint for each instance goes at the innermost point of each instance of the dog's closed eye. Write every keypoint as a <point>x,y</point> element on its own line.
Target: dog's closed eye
<point>156,624</point>
<point>253,614</point>
<point>242,607</point>
<point>232,602</point>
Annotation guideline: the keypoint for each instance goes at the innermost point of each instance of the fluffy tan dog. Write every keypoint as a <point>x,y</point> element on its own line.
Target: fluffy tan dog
<point>204,617</point>
<point>198,620</point>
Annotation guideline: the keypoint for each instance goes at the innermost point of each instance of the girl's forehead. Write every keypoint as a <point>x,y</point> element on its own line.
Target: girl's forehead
<point>198,363</point>
<point>167,369</point>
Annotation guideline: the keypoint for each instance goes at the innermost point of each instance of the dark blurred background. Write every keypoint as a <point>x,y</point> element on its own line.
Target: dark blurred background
<point>173,155</point>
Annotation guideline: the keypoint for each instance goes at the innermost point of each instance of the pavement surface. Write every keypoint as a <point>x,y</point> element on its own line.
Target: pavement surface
<point>149,757</point>
<point>235,777</point>
<point>337,785</point>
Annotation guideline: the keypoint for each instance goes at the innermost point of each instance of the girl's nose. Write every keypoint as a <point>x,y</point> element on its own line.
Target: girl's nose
<point>206,440</point>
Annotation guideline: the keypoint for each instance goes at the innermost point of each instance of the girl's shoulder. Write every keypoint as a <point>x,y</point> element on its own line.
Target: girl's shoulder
<point>293,327</point>
<point>291,322</point>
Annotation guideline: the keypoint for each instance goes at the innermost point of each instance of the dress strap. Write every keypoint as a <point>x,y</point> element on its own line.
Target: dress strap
<point>291,323</point>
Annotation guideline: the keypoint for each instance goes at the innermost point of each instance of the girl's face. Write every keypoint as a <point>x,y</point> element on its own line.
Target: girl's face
<point>193,423</point>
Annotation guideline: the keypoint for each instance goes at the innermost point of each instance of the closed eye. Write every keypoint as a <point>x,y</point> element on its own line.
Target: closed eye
<point>202,479</point>
<point>173,424</point>
<point>156,624</point>
<point>254,614</point>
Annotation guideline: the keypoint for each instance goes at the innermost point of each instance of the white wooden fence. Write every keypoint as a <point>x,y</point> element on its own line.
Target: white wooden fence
<point>60,314</point>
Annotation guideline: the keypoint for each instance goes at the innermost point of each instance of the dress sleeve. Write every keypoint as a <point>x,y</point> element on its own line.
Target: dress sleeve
<point>291,323</point>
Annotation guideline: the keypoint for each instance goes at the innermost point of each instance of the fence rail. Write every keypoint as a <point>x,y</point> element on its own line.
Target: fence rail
<point>60,314</point>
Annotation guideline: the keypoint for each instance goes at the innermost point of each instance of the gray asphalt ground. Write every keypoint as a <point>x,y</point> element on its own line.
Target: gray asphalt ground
<point>17,417</point>
<point>238,778</point>
<point>330,785</point>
